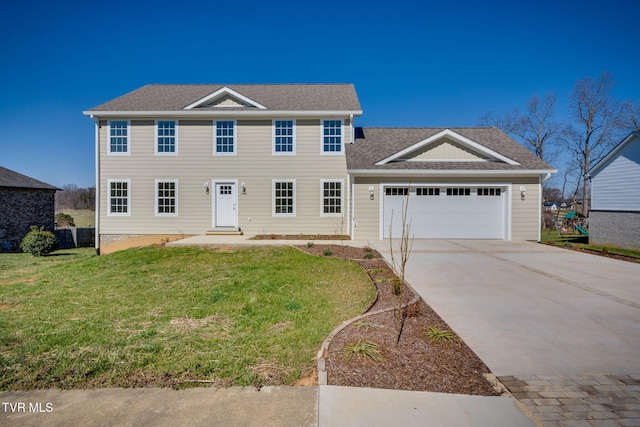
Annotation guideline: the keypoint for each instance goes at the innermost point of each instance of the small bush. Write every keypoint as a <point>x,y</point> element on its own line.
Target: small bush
<point>327,252</point>
<point>64,220</point>
<point>368,255</point>
<point>39,242</point>
<point>437,335</point>
<point>309,244</point>
<point>368,350</point>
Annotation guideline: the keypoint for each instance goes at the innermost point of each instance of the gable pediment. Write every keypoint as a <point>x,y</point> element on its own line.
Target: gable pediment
<point>225,98</point>
<point>447,146</point>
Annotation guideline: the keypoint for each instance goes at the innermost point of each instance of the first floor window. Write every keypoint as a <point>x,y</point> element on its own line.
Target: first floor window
<point>118,137</point>
<point>332,136</point>
<point>167,198</point>
<point>225,137</point>
<point>119,197</point>
<point>284,197</point>
<point>166,137</point>
<point>332,197</point>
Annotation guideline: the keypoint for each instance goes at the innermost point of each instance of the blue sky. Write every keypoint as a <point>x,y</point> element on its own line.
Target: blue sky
<point>413,63</point>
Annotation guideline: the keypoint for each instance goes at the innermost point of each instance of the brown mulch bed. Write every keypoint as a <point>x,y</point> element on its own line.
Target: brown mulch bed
<point>310,237</point>
<point>415,363</point>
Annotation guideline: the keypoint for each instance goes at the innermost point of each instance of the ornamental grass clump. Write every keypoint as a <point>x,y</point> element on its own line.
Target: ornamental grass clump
<point>39,242</point>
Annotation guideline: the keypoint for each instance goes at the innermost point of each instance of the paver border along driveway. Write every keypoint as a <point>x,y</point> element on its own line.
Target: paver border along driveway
<point>531,309</point>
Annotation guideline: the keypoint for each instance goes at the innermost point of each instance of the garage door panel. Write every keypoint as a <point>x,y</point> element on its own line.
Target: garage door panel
<point>448,217</point>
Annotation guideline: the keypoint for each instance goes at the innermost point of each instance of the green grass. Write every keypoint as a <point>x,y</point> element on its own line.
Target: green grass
<point>81,218</point>
<point>168,316</point>
<point>551,237</point>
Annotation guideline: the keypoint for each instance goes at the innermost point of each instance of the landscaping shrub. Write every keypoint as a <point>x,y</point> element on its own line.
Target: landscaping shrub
<point>39,242</point>
<point>64,220</point>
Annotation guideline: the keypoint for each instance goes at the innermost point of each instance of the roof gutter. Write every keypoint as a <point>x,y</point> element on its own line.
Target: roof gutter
<point>447,172</point>
<point>97,159</point>
<point>221,113</point>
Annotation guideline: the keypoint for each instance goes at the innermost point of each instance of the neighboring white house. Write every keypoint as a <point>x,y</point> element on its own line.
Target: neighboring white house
<point>614,217</point>
<point>287,159</point>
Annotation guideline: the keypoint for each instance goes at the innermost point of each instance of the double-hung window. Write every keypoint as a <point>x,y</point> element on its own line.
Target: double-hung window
<point>225,138</point>
<point>331,197</point>
<point>166,137</point>
<point>118,137</point>
<point>284,137</point>
<point>119,200</point>
<point>284,197</point>
<point>166,197</point>
<point>332,136</point>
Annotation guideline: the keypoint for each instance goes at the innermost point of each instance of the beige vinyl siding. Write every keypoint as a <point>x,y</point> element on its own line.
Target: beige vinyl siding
<point>525,219</point>
<point>253,165</point>
<point>444,149</point>
<point>525,213</point>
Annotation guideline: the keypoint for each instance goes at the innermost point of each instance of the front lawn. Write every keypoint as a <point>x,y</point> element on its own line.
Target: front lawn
<point>551,237</point>
<point>170,316</point>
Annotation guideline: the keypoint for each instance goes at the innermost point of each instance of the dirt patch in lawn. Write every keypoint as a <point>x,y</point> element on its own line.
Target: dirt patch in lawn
<point>415,363</point>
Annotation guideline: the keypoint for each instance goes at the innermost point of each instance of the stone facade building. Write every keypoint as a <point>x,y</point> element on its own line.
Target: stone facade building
<point>24,202</point>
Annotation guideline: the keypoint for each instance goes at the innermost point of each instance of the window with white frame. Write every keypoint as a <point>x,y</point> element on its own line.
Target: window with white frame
<point>166,197</point>
<point>331,197</point>
<point>284,197</point>
<point>119,197</point>
<point>284,137</point>
<point>332,136</point>
<point>166,137</point>
<point>119,137</point>
<point>225,138</point>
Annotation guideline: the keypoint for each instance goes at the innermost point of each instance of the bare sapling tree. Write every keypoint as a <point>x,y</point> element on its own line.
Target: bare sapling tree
<point>597,125</point>
<point>399,265</point>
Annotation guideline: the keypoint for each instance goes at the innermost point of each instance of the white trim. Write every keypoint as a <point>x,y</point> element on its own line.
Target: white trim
<point>332,215</point>
<point>273,198</point>
<point>342,138</point>
<point>222,92</point>
<point>155,128</point>
<point>115,153</point>
<point>456,137</point>
<point>447,172</point>
<point>223,113</point>
<point>213,190</point>
<point>98,206</point>
<point>540,211</point>
<point>215,138</point>
<point>129,191</point>
<point>273,138</point>
<point>155,197</point>
<point>352,207</point>
<point>507,198</point>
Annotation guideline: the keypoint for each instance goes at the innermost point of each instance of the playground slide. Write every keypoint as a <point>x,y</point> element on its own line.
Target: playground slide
<point>582,230</point>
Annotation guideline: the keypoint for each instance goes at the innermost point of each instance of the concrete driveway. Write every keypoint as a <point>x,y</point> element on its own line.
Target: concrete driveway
<point>527,308</point>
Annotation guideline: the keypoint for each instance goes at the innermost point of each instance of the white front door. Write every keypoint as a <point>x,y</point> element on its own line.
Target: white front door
<point>225,205</point>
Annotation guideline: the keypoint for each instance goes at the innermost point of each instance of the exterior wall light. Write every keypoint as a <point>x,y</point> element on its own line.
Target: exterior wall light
<point>523,190</point>
<point>371,196</point>
<point>244,187</point>
<point>206,187</point>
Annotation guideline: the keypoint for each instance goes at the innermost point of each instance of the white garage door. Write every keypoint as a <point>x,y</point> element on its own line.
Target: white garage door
<point>447,212</point>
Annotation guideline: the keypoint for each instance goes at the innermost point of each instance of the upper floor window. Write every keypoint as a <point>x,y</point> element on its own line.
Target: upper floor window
<point>119,201</point>
<point>225,139</point>
<point>166,137</point>
<point>167,197</point>
<point>332,136</point>
<point>284,137</point>
<point>119,137</point>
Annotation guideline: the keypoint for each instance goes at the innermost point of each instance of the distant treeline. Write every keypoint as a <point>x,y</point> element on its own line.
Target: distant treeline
<point>76,198</point>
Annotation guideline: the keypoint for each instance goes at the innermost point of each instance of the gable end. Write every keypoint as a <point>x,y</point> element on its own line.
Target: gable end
<point>225,97</point>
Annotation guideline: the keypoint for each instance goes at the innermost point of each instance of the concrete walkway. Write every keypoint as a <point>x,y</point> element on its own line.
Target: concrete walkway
<point>325,406</point>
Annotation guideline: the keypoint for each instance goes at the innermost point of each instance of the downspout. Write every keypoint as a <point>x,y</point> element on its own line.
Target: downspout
<point>97,207</point>
<point>353,139</point>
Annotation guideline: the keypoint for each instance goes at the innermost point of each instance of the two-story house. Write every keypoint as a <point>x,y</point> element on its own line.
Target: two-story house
<point>287,159</point>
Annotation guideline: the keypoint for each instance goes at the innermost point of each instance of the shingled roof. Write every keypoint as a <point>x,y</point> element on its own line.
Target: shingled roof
<point>275,97</point>
<point>9,178</point>
<point>372,145</point>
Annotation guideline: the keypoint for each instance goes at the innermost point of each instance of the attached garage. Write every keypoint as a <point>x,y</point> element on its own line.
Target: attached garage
<point>460,183</point>
<point>456,211</point>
